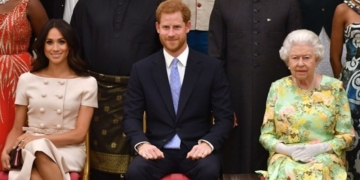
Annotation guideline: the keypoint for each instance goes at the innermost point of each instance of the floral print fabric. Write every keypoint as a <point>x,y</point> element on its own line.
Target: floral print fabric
<point>291,117</point>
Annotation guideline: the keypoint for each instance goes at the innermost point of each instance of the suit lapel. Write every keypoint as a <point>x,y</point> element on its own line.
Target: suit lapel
<point>161,79</point>
<point>192,72</point>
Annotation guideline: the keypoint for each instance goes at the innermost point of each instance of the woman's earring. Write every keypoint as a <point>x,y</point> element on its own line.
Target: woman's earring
<point>289,68</point>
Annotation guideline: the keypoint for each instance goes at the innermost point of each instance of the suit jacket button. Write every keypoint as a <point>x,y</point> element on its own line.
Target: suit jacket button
<point>177,129</point>
<point>164,140</point>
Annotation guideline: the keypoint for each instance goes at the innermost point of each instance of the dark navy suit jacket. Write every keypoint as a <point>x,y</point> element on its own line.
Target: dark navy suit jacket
<point>204,92</point>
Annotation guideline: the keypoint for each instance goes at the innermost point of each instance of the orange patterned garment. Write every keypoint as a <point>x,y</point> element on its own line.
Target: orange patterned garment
<point>15,33</point>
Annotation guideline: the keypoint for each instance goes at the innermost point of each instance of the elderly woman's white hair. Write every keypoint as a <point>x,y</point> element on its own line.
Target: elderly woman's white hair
<point>302,37</point>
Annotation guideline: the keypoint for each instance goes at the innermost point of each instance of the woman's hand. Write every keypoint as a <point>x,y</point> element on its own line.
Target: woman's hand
<point>5,161</point>
<point>309,152</point>
<point>22,140</point>
<point>287,149</point>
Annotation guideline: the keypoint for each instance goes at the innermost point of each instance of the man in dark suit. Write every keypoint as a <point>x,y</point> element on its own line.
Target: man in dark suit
<point>247,36</point>
<point>114,34</point>
<point>178,88</point>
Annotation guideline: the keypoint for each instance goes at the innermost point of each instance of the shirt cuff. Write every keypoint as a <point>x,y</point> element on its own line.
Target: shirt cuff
<point>207,142</point>
<point>138,144</point>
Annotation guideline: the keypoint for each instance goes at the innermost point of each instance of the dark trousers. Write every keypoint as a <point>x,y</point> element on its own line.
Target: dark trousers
<point>100,175</point>
<point>175,161</point>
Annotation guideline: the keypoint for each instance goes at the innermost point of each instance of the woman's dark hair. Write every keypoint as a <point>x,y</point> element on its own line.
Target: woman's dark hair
<point>75,62</point>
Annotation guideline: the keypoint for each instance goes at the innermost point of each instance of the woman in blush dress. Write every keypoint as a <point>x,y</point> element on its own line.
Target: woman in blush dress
<point>54,106</point>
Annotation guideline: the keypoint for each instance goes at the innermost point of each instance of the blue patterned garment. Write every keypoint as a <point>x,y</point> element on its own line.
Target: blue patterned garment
<point>175,86</point>
<point>350,76</point>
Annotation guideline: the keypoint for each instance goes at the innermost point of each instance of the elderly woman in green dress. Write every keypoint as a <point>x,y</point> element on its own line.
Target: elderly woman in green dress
<point>307,123</point>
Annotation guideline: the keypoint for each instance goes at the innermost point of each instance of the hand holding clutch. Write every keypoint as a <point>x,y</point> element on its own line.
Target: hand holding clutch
<point>309,151</point>
<point>287,149</point>
<point>16,158</point>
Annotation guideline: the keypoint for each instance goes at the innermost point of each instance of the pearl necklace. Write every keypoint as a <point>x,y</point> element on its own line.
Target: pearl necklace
<point>3,1</point>
<point>305,92</point>
<point>353,6</point>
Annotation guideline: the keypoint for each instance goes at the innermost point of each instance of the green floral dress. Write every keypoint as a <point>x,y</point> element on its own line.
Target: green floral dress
<point>292,117</point>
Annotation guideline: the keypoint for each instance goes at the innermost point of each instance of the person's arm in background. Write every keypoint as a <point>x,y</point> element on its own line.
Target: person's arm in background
<point>77,21</point>
<point>217,38</point>
<point>217,33</point>
<point>37,15</point>
<point>294,20</point>
<point>337,39</point>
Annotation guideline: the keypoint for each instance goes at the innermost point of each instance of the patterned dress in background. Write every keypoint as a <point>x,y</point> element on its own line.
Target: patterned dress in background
<point>350,76</point>
<point>292,117</point>
<point>15,32</point>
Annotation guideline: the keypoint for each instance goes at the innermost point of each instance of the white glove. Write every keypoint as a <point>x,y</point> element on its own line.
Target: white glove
<point>309,151</point>
<point>287,150</point>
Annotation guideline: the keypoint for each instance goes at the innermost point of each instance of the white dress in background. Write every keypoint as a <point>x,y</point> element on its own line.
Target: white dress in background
<point>68,10</point>
<point>325,67</point>
<point>53,107</point>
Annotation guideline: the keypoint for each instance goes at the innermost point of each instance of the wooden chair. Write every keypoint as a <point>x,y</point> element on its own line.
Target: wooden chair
<point>84,175</point>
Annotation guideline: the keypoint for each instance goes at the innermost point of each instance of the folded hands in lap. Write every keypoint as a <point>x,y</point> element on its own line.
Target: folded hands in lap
<point>19,143</point>
<point>151,152</point>
<point>303,153</point>
<point>309,151</point>
<point>22,140</point>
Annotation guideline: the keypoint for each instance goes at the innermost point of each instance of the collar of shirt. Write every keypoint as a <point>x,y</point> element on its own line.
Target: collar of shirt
<point>183,57</point>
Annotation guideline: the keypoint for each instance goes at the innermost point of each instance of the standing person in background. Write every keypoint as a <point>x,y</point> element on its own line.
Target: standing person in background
<point>114,34</point>
<point>18,18</point>
<point>59,9</point>
<point>249,45</point>
<point>317,17</point>
<point>68,10</point>
<point>54,8</point>
<point>197,38</point>
<point>346,28</point>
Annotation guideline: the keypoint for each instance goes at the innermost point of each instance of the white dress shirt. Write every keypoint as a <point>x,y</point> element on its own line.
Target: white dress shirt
<point>181,63</point>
